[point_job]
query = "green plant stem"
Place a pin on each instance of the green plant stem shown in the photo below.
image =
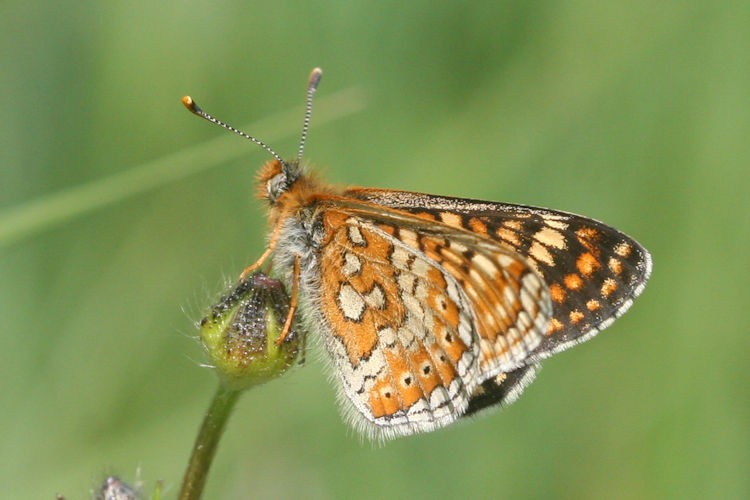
(205, 444)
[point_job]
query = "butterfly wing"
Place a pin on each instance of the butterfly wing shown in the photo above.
(417, 315)
(592, 270)
(501, 390)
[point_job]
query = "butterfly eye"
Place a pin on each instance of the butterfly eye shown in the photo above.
(276, 186)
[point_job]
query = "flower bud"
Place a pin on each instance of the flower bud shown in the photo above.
(241, 331)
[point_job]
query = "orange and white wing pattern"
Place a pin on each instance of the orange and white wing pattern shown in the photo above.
(417, 315)
(593, 271)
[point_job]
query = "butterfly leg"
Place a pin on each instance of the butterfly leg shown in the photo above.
(264, 255)
(257, 264)
(293, 303)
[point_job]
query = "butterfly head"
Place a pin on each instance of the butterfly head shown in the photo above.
(276, 178)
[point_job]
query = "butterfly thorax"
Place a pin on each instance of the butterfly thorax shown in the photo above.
(297, 201)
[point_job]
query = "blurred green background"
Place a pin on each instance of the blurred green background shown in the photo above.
(635, 113)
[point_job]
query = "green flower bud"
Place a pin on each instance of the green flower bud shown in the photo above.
(240, 333)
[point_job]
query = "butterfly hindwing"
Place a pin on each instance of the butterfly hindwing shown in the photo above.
(502, 389)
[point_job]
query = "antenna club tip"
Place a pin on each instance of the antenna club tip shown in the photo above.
(189, 103)
(315, 75)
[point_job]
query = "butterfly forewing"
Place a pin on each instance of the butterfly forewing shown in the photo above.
(593, 271)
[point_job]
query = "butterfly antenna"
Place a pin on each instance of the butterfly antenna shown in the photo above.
(312, 86)
(192, 106)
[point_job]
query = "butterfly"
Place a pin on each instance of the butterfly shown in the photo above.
(433, 308)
